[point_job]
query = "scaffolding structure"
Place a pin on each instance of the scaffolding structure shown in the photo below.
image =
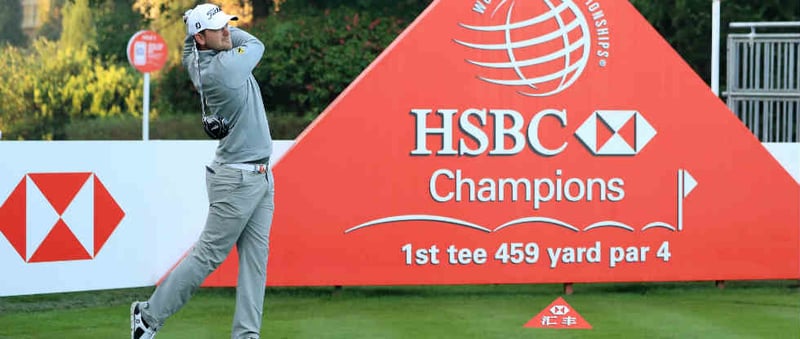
(763, 79)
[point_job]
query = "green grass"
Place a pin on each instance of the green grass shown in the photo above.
(769, 309)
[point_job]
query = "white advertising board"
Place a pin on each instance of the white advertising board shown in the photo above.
(62, 232)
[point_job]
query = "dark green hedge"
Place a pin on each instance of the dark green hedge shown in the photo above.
(310, 59)
(181, 127)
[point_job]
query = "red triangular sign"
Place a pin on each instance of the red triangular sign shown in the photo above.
(560, 315)
(468, 152)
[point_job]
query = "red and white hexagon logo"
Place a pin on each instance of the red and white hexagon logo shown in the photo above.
(59, 217)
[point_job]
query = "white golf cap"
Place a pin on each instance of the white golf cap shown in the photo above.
(206, 16)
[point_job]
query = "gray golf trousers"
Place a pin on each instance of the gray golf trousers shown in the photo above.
(241, 205)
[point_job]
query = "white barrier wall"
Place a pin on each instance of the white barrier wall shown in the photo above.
(160, 187)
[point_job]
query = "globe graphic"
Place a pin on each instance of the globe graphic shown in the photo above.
(539, 47)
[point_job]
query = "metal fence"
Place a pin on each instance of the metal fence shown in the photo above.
(763, 81)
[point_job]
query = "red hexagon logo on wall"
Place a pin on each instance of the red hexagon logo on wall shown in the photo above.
(59, 217)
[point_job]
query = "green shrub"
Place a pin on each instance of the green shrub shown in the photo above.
(171, 127)
(111, 128)
(173, 91)
(178, 127)
(310, 59)
(182, 126)
(49, 86)
(288, 126)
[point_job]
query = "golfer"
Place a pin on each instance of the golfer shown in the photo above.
(220, 60)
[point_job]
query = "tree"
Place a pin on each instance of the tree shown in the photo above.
(11, 23)
(260, 9)
(166, 18)
(54, 86)
(78, 29)
(116, 22)
(686, 24)
(51, 15)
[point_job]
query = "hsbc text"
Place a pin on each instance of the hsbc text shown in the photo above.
(476, 141)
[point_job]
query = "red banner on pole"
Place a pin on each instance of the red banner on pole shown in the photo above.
(559, 315)
(147, 51)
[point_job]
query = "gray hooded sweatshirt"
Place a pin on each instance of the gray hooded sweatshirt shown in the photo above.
(231, 91)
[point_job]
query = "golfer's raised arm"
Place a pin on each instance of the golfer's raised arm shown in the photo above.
(245, 54)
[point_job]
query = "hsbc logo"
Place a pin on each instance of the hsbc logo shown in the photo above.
(641, 132)
(559, 310)
(504, 132)
(59, 217)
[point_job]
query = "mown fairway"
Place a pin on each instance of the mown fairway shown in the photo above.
(648, 310)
